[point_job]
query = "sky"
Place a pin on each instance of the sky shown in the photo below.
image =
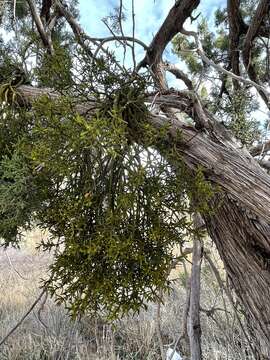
(149, 15)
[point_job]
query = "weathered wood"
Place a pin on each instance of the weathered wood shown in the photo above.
(243, 244)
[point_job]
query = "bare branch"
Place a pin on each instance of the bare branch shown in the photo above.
(23, 318)
(229, 296)
(178, 73)
(133, 34)
(195, 286)
(257, 150)
(118, 38)
(12, 266)
(261, 89)
(43, 35)
(76, 28)
(171, 26)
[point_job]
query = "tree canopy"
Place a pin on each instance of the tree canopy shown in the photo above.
(113, 162)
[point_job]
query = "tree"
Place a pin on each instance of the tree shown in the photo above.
(62, 135)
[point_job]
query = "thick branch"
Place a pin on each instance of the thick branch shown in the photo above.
(235, 30)
(44, 37)
(256, 22)
(170, 27)
(234, 170)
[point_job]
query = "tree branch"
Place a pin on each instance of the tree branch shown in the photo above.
(256, 150)
(170, 27)
(256, 22)
(235, 30)
(23, 318)
(224, 164)
(261, 89)
(43, 35)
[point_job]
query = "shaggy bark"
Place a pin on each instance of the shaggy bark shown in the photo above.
(243, 244)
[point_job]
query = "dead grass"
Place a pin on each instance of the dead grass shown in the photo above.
(54, 336)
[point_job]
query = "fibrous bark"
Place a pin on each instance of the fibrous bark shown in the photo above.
(243, 243)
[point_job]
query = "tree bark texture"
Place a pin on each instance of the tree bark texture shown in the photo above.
(243, 244)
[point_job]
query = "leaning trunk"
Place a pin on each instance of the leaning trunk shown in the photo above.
(242, 240)
(239, 224)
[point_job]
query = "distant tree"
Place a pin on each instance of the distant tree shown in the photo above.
(112, 161)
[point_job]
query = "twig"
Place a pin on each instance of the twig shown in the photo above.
(219, 68)
(133, 35)
(41, 308)
(12, 266)
(221, 285)
(23, 318)
(121, 28)
(161, 345)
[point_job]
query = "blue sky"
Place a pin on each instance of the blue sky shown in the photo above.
(149, 15)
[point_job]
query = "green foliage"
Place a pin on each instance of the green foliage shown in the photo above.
(236, 113)
(114, 207)
(55, 70)
(183, 48)
(17, 198)
(234, 106)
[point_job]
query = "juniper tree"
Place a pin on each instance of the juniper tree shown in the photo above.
(113, 162)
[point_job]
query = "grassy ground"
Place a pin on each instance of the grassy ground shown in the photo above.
(48, 332)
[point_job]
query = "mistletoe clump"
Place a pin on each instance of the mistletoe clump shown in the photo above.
(115, 207)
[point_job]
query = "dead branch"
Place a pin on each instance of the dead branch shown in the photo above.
(23, 318)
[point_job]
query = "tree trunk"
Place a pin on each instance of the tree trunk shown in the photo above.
(243, 244)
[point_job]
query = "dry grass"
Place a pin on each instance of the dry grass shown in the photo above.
(55, 336)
